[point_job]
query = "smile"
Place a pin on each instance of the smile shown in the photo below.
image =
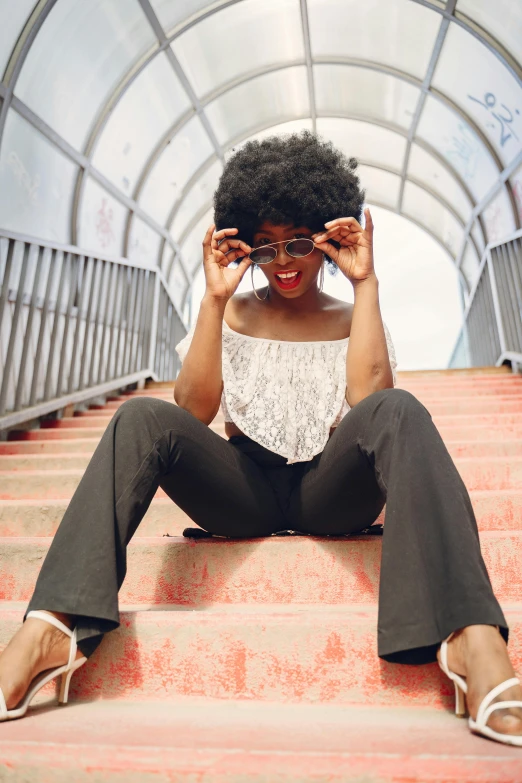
(289, 279)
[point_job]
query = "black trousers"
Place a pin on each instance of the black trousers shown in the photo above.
(385, 450)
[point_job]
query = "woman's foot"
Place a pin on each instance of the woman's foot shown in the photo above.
(35, 647)
(479, 653)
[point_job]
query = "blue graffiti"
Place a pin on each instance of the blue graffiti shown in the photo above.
(489, 103)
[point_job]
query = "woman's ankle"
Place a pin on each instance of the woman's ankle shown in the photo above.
(67, 619)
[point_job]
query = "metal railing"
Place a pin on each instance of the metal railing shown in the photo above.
(491, 332)
(74, 326)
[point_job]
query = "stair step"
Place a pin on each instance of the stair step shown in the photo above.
(269, 653)
(254, 742)
(451, 426)
(436, 405)
(476, 472)
(80, 459)
(494, 510)
(297, 569)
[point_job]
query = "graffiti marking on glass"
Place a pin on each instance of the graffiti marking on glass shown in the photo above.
(104, 217)
(489, 103)
(463, 150)
(29, 186)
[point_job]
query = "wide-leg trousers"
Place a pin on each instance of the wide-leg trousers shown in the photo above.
(386, 450)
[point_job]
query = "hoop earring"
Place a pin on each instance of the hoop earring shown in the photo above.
(261, 298)
(321, 278)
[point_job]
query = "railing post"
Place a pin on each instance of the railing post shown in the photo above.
(496, 303)
(154, 322)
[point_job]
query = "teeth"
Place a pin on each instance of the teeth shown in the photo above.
(287, 275)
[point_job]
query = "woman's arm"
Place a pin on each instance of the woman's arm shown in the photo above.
(368, 366)
(199, 384)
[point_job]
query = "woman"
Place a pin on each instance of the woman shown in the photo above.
(318, 441)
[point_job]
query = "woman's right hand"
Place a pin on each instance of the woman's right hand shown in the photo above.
(219, 250)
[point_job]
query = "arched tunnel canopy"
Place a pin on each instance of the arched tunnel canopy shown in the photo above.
(116, 117)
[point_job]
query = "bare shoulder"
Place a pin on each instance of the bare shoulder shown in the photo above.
(239, 311)
(338, 312)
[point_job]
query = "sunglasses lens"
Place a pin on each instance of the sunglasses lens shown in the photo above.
(300, 247)
(263, 255)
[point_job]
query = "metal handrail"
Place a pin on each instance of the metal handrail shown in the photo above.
(76, 325)
(491, 331)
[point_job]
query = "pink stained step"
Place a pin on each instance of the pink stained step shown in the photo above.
(437, 407)
(476, 472)
(452, 424)
(248, 742)
(310, 654)
(494, 510)
(267, 570)
(80, 459)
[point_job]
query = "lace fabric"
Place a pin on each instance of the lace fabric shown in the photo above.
(284, 395)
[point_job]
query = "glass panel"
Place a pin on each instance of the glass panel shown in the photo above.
(447, 133)
(177, 163)
(498, 217)
(199, 196)
(177, 284)
(516, 184)
(272, 98)
(484, 89)
(77, 59)
(470, 264)
(36, 183)
(430, 213)
(102, 221)
(151, 105)
(502, 19)
(172, 12)
(377, 96)
(294, 126)
(381, 187)
(396, 33)
(258, 34)
(369, 143)
(429, 171)
(191, 247)
(14, 15)
(144, 243)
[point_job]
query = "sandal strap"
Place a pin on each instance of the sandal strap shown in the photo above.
(49, 618)
(486, 708)
(3, 705)
(443, 663)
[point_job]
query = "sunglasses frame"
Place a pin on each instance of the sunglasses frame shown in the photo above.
(287, 242)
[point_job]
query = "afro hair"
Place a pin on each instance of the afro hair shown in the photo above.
(295, 178)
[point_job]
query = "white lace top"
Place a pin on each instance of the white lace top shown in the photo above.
(284, 395)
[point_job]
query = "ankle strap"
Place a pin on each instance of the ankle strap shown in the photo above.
(49, 618)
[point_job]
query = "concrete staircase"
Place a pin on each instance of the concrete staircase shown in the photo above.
(256, 660)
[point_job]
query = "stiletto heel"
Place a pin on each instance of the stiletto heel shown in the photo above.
(66, 672)
(479, 725)
(460, 702)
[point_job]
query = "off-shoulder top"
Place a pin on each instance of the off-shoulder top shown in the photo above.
(285, 395)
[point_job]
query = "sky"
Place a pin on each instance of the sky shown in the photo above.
(418, 291)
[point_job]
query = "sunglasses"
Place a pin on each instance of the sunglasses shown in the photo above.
(298, 248)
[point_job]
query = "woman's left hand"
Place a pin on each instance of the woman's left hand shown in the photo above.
(355, 256)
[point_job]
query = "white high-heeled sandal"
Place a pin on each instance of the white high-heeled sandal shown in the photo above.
(478, 726)
(66, 672)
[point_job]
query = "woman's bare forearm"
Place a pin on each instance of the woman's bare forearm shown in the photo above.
(200, 382)
(367, 361)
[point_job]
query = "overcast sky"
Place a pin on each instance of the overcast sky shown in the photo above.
(418, 291)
